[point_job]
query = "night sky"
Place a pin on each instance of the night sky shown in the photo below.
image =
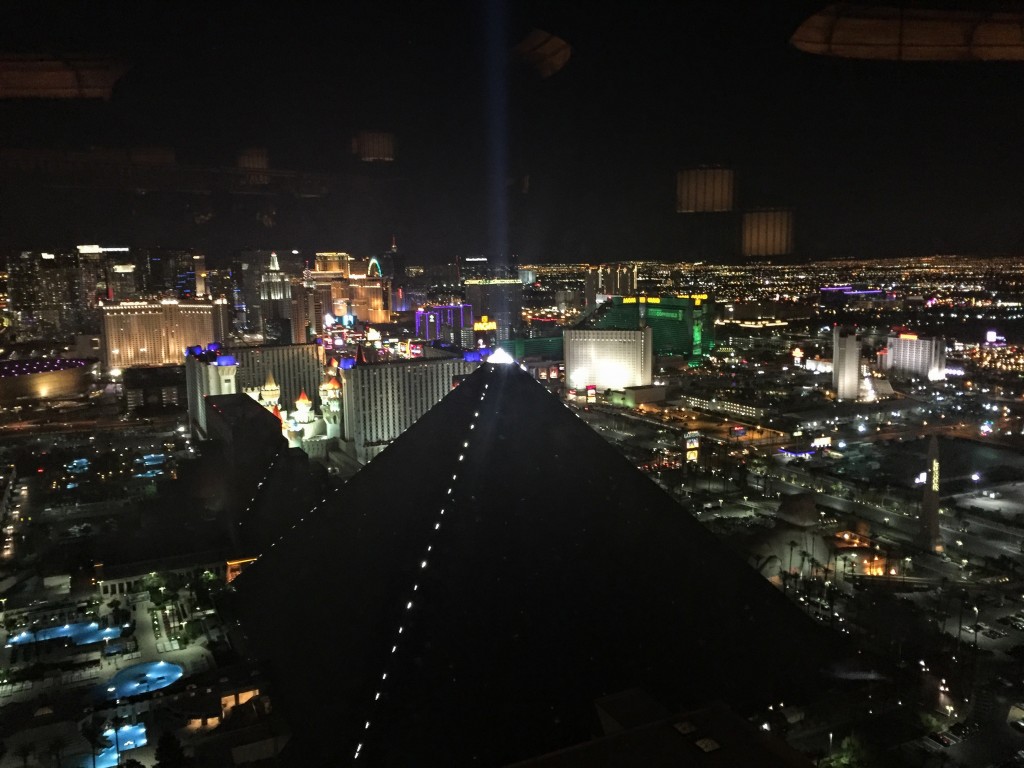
(876, 158)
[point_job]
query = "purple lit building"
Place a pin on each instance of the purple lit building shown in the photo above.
(452, 323)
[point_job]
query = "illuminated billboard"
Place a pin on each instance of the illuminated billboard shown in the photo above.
(692, 445)
(485, 324)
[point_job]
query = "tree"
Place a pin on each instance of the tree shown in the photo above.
(804, 557)
(92, 732)
(792, 545)
(131, 762)
(117, 721)
(169, 753)
(850, 754)
(25, 751)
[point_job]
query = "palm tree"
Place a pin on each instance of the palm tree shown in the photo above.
(92, 731)
(804, 557)
(117, 721)
(24, 751)
(792, 545)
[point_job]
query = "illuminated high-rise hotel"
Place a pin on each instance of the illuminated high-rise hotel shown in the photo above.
(500, 300)
(158, 332)
(908, 354)
(382, 400)
(451, 323)
(846, 363)
(608, 359)
(207, 372)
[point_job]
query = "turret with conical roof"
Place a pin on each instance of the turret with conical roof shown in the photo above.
(304, 409)
(270, 391)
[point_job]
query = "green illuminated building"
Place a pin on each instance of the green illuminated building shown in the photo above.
(683, 324)
(540, 348)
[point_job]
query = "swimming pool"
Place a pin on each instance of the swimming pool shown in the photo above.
(128, 737)
(142, 678)
(80, 633)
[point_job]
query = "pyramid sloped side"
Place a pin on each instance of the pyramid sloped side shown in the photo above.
(559, 574)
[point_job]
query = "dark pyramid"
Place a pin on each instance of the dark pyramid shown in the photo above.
(559, 574)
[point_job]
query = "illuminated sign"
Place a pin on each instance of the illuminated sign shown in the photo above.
(591, 393)
(908, 336)
(629, 300)
(935, 475)
(485, 324)
(697, 297)
(821, 442)
(798, 353)
(691, 455)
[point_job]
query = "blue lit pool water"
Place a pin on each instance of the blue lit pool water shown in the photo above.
(141, 678)
(80, 633)
(129, 737)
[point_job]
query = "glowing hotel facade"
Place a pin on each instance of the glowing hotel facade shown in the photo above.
(608, 359)
(158, 332)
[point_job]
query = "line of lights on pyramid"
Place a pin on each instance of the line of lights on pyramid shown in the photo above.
(500, 357)
(259, 485)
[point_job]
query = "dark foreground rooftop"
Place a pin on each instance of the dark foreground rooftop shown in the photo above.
(712, 737)
(470, 593)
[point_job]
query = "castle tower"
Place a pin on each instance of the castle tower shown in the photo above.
(929, 535)
(304, 409)
(330, 406)
(270, 391)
